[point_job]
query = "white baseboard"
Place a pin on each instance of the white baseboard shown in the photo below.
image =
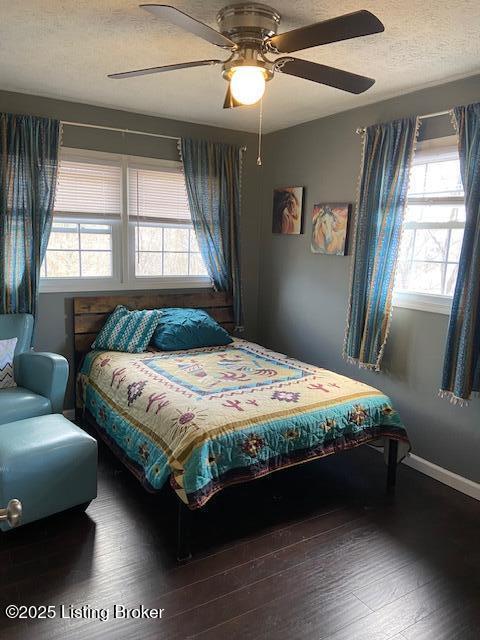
(464, 485)
(69, 414)
(453, 480)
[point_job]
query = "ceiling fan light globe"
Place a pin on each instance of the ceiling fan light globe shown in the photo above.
(247, 84)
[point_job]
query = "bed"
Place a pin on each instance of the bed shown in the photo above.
(204, 419)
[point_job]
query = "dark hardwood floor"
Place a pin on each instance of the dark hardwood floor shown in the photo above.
(315, 552)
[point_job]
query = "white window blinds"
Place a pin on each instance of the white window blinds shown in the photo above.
(90, 188)
(158, 195)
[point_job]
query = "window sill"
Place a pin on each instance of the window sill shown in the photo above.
(139, 284)
(423, 302)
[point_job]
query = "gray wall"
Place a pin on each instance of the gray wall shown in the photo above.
(303, 297)
(55, 319)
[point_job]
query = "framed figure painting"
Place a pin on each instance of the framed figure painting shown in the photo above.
(288, 210)
(330, 224)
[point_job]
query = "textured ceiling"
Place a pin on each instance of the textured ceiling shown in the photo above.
(64, 49)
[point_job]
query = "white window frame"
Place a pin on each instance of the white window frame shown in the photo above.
(123, 238)
(431, 302)
(156, 282)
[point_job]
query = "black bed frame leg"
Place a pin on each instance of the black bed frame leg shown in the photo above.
(183, 532)
(392, 466)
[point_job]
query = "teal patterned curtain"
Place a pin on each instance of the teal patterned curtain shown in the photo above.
(28, 173)
(387, 155)
(461, 369)
(213, 178)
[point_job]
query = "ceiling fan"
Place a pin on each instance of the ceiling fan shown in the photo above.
(249, 32)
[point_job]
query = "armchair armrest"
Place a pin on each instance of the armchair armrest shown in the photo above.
(45, 374)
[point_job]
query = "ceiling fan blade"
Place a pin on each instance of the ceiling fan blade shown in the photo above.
(183, 20)
(350, 25)
(230, 101)
(322, 74)
(168, 67)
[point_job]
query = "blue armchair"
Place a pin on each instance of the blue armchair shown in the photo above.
(41, 377)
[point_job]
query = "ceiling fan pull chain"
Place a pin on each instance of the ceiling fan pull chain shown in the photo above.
(260, 118)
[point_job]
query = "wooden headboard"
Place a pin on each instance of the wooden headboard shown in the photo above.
(89, 314)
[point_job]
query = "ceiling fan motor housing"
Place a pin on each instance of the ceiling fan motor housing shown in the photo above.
(248, 23)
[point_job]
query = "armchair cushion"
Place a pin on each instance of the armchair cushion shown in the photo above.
(18, 403)
(45, 374)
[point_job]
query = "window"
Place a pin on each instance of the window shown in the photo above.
(433, 228)
(86, 220)
(165, 243)
(78, 250)
(119, 221)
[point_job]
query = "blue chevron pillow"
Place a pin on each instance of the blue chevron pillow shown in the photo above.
(7, 351)
(128, 331)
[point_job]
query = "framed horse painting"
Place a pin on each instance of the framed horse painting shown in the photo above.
(330, 223)
(288, 210)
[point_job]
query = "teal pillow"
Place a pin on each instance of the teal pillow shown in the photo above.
(129, 331)
(188, 329)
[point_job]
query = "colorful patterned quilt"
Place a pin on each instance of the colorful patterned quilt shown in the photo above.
(208, 418)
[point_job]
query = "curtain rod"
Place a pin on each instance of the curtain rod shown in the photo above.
(134, 131)
(424, 117)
